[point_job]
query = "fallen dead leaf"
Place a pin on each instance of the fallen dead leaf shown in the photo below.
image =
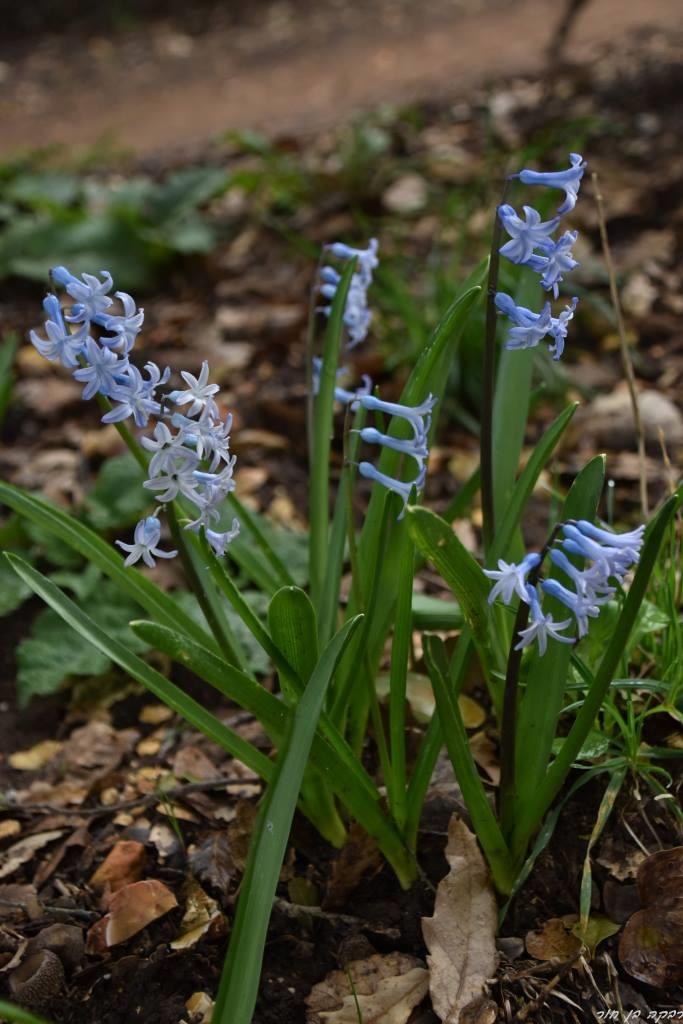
(19, 901)
(124, 864)
(650, 946)
(192, 764)
(357, 858)
(554, 940)
(155, 714)
(200, 1006)
(98, 745)
(201, 914)
(485, 753)
(212, 862)
(131, 909)
(35, 757)
(9, 827)
(20, 853)
(384, 989)
(461, 935)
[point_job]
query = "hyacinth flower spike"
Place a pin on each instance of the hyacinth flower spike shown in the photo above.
(418, 416)
(525, 235)
(559, 327)
(341, 394)
(512, 579)
(556, 260)
(581, 606)
(126, 327)
(146, 539)
(569, 180)
(416, 447)
(542, 626)
(615, 559)
(60, 344)
(357, 316)
(590, 583)
(400, 487)
(530, 328)
(633, 540)
(91, 294)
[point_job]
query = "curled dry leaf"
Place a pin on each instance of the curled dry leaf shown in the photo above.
(650, 946)
(124, 864)
(201, 914)
(555, 939)
(131, 909)
(384, 989)
(461, 936)
(23, 851)
(359, 856)
(212, 862)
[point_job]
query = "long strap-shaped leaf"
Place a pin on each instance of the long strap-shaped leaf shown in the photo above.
(436, 541)
(238, 990)
(18, 1015)
(474, 794)
(509, 520)
(97, 551)
(330, 753)
(532, 813)
(162, 688)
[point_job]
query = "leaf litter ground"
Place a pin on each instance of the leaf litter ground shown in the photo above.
(125, 785)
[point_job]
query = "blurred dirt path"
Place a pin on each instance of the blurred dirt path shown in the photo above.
(160, 90)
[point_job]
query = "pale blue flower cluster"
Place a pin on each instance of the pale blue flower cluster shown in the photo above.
(419, 418)
(609, 557)
(190, 442)
(357, 316)
(531, 245)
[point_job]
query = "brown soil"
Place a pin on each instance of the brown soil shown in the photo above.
(286, 68)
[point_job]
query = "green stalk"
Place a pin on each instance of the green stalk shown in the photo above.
(212, 612)
(323, 425)
(483, 819)
(400, 651)
(432, 742)
(489, 382)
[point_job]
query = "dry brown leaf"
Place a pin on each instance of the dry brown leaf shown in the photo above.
(200, 1007)
(485, 753)
(35, 757)
(9, 827)
(19, 901)
(650, 946)
(555, 940)
(98, 745)
(387, 989)
(201, 913)
(124, 864)
(212, 862)
(358, 857)
(131, 909)
(155, 714)
(461, 936)
(20, 853)
(192, 764)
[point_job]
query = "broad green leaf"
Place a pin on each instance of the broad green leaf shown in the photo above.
(85, 542)
(433, 613)
(120, 654)
(53, 652)
(117, 499)
(457, 567)
(293, 627)
(13, 591)
(238, 990)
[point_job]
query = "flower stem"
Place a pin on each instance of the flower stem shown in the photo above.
(489, 382)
